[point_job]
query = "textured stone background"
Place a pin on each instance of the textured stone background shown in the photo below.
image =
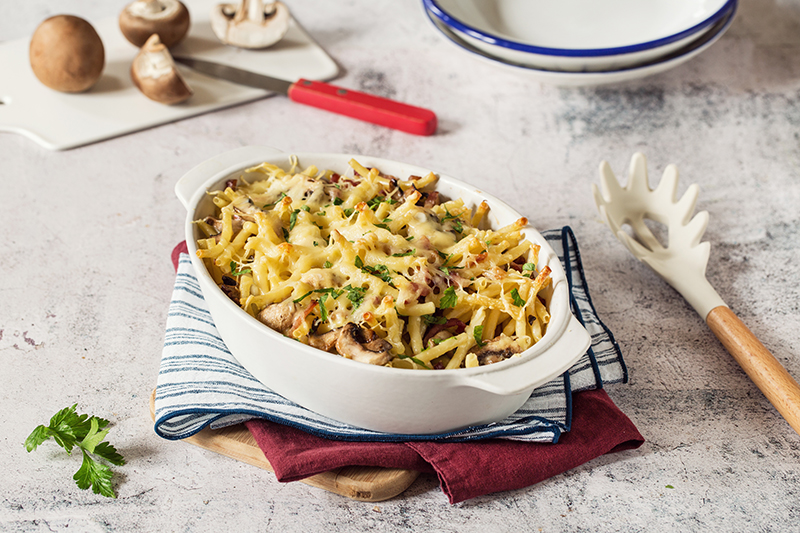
(86, 279)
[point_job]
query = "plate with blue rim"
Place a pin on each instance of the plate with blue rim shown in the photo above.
(580, 35)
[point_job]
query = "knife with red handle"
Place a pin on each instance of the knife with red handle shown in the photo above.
(354, 104)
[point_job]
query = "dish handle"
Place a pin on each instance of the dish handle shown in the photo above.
(187, 185)
(572, 344)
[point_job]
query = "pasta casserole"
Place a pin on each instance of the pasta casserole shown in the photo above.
(375, 268)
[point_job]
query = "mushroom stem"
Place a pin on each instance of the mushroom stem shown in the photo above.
(250, 23)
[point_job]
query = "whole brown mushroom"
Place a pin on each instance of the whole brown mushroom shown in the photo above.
(142, 18)
(67, 54)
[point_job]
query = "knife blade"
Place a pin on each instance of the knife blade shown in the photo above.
(354, 104)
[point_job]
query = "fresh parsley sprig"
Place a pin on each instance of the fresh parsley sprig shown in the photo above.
(70, 430)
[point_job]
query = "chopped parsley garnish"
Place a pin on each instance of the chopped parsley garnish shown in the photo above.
(334, 293)
(516, 298)
(382, 226)
(446, 269)
(477, 333)
(293, 219)
(456, 220)
(306, 208)
(348, 212)
(337, 201)
(405, 254)
(323, 311)
(379, 271)
(235, 272)
(355, 294)
(433, 319)
(327, 264)
(449, 298)
(303, 297)
(285, 234)
(418, 361)
(377, 200)
(281, 197)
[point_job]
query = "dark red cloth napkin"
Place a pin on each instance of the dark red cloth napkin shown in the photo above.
(465, 469)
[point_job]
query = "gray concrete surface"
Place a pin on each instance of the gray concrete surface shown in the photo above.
(86, 279)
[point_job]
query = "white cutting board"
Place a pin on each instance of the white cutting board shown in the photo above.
(114, 106)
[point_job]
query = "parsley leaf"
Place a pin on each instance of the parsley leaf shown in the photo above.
(477, 333)
(433, 319)
(377, 200)
(323, 311)
(418, 361)
(327, 264)
(293, 219)
(405, 254)
(235, 272)
(379, 271)
(516, 298)
(456, 220)
(449, 298)
(338, 201)
(355, 294)
(281, 197)
(303, 297)
(69, 430)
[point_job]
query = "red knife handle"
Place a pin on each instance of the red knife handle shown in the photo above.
(366, 107)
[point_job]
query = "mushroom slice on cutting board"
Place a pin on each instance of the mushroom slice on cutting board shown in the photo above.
(153, 71)
(142, 18)
(250, 23)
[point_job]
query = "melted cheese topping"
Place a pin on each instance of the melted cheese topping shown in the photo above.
(380, 252)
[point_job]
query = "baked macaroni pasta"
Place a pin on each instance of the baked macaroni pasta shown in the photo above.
(375, 268)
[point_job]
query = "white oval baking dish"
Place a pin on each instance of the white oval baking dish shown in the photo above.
(378, 398)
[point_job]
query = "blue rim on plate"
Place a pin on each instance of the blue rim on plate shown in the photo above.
(595, 77)
(433, 7)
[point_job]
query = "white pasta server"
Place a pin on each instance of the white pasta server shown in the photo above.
(682, 264)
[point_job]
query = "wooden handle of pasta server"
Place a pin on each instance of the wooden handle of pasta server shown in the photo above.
(759, 364)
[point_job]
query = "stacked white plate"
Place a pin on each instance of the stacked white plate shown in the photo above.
(583, 42)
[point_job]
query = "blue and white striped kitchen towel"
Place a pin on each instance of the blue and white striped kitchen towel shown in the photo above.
(201, 384)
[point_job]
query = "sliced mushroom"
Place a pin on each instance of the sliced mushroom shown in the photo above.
(325, 341)
(250, 23)
(280, 316)
(153, 72)
(498, 349)
(362, 345)
(142, 18)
